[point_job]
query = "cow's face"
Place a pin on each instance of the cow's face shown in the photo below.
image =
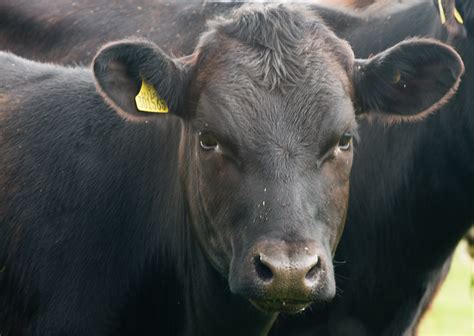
(268, 185)
(268, 172)
(268, 104)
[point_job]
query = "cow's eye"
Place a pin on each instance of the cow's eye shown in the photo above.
(345, 141)
(207, 141)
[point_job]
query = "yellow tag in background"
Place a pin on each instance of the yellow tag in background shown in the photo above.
(148, 100)
(442, 13)
(458, 16)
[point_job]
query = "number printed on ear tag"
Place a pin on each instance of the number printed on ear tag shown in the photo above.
(148, 100)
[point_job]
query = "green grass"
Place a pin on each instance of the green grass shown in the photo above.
(452, 313)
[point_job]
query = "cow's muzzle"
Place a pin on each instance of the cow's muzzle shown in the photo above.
(284, 276)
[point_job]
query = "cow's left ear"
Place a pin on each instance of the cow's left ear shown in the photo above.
(139, 80)
(407, 81)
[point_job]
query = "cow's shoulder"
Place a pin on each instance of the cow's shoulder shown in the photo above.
(36, 95)
(25, 84)
(17, 70)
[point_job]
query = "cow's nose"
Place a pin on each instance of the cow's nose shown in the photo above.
(278, 273)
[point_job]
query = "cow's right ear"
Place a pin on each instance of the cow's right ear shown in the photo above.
(407, 81)
(139, 80)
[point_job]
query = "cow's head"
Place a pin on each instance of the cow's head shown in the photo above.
(269, 103)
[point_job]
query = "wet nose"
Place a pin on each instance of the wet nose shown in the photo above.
(277, 275)
(282, 273)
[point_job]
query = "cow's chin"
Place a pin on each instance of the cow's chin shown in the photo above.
(279, 305)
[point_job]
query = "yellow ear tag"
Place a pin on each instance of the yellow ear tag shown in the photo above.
(148, 100)
(458, 16)
(442, 14)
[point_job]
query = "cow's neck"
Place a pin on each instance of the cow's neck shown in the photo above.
(452, 174)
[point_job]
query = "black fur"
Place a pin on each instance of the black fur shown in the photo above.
(396, 191)
(112, 227)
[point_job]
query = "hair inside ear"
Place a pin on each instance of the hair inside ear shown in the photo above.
(407, 81)
(118, 86)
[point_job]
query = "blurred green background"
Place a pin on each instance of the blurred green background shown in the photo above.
(452, 312)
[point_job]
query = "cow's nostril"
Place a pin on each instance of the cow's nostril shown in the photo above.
(263, 271)
(313, 271)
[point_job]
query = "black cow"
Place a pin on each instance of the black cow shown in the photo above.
(58, 32)
(209, 218)
(71, 33)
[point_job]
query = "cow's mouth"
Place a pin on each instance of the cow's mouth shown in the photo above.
(281, 305)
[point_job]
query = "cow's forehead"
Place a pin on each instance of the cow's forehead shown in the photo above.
(253, 116)
(273, 45)
(248, 84)
(273, 75)
(318, 54)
